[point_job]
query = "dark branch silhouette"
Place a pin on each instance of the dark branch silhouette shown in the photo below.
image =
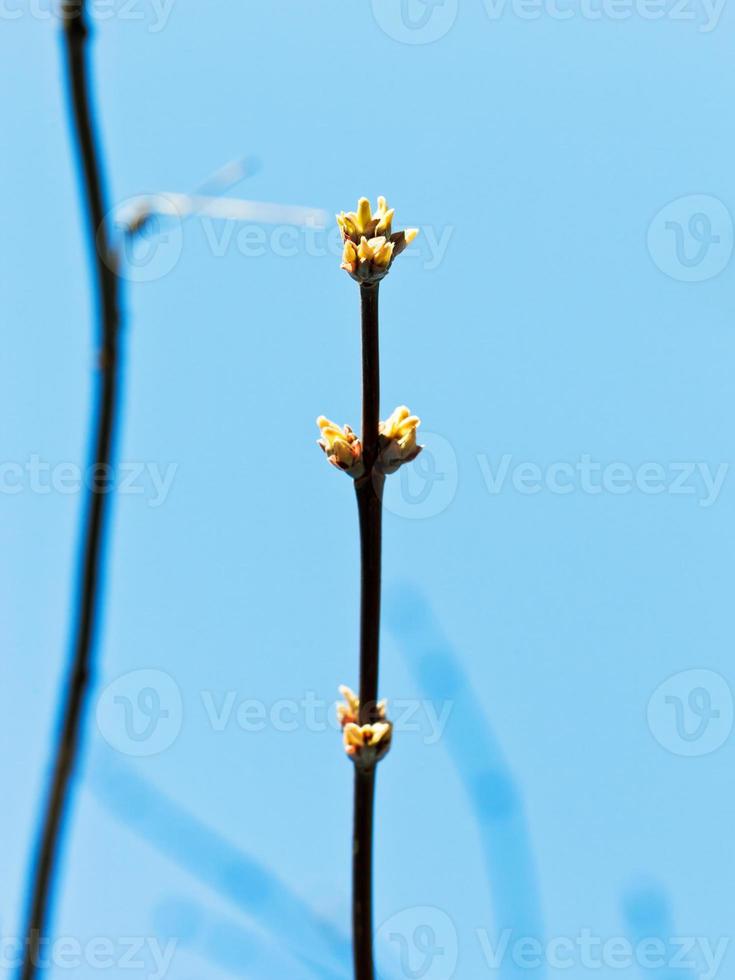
(370, 506)
(87, 597)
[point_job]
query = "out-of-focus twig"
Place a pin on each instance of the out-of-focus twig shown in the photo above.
(170, 204)
(208, 201)
(478, 758)
(107, 294)
(234, 874)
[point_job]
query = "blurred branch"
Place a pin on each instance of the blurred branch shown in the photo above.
(104, 260)
(228, 944)
(235, 875)
(477, 754)
(171, 204)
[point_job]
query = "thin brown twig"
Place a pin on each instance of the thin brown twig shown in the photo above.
(76, 33)
(369, 502)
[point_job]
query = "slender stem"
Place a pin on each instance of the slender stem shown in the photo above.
(362, 875)
(370, 508)
(104, 427)
(369, 504)
(370, 374)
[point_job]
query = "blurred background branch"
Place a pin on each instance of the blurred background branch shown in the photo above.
(103, 425)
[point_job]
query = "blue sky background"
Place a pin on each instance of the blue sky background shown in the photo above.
(565, 792)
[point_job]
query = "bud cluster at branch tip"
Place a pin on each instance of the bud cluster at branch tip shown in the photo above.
(366, 745)
(370, 245)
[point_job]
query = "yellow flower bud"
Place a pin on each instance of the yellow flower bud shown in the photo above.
(353, 738)
(349, 257)
(341, 446)
(364, 250)
(367, 744)
(398, 440)
(384, 254)
(348, 712)
(376, 244)
(364, 215)
(383, 226)
(378, 732)
(364, 744)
